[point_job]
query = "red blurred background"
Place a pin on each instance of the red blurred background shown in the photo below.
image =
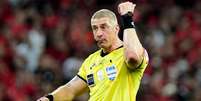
(43, 43)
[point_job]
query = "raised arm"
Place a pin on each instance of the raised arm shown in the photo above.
(68, 91)
(134, 50)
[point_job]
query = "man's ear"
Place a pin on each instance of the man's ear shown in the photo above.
(117, 28)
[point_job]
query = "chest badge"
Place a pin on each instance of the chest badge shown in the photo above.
(111, 72)
(100, 75)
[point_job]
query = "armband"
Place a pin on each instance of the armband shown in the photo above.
(127, 20)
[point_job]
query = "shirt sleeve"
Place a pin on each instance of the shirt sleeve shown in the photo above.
(145, 61)
(139, 71)
(82, 71)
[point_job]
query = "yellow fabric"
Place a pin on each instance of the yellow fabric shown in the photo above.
(113, 81)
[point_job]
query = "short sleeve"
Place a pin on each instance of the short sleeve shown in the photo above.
(138, 72)
(145, 61)
(82, 71)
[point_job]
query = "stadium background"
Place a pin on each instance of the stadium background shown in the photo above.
(43, 43)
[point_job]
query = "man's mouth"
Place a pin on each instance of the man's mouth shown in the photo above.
(101, 41)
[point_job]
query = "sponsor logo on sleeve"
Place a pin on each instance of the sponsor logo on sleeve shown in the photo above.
(90, 80)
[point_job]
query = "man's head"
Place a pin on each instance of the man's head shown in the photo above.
(105, 28)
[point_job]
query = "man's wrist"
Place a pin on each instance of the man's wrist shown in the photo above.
(127, 20)
(50, 97)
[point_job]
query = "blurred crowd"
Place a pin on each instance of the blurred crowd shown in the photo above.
(44, 42)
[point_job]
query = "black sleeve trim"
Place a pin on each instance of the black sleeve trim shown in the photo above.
(141, 63)
(81, 78)
(50, 97)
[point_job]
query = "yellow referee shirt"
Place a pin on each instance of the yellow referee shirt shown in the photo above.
(108, 77)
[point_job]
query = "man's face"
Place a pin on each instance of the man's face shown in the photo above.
(104, 32)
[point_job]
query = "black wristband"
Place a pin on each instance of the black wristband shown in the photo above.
(127, 20)
(50, 97)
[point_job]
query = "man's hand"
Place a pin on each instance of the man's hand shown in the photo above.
(68, 91)
(43, 99)
(126, 7)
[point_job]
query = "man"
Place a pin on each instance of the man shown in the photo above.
(112, 73)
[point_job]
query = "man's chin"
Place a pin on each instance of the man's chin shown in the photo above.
(101, 45)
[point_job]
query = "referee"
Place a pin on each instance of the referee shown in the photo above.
(114, 72)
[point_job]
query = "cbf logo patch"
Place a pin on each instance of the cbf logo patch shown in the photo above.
(100, 75)
(111, 72)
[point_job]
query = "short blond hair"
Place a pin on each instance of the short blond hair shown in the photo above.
(105, 13)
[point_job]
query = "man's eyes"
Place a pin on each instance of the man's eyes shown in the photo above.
(102, 27)
(94, 27)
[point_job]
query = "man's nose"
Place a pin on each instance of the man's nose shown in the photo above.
(99, 33)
